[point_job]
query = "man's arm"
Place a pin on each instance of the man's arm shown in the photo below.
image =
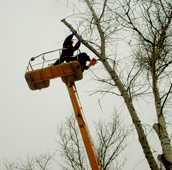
(77, 45)
(67, 40)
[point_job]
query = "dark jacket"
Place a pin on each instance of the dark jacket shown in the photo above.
(69, 47)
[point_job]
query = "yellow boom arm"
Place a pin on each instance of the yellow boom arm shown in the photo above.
(83, 129)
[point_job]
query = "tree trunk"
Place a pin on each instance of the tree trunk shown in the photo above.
(160, 127)
(142, 138)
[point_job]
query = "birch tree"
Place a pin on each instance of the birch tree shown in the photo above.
(146, 27)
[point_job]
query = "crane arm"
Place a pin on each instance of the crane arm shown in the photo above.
(83, 129)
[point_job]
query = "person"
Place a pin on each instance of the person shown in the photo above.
(68, 51)
(82, 58)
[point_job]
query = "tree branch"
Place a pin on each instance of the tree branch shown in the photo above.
(82, 40)
(104, 6)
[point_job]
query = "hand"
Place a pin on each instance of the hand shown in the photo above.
(74, 33)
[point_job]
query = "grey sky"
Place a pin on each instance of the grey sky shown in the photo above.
(28, 118)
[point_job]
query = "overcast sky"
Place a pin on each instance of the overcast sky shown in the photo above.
(28, 118)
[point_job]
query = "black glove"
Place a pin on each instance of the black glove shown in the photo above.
(74, 33)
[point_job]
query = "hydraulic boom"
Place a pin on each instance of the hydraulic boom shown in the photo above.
(83, 128)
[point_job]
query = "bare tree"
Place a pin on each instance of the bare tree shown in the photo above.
(146, 27)
(31, 162)
(153, 55)
(71, 149)
(109, 143)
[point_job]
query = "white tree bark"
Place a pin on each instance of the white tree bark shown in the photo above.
(142, 138)
(160, 128)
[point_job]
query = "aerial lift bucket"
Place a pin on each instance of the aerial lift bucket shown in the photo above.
(40, 78)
